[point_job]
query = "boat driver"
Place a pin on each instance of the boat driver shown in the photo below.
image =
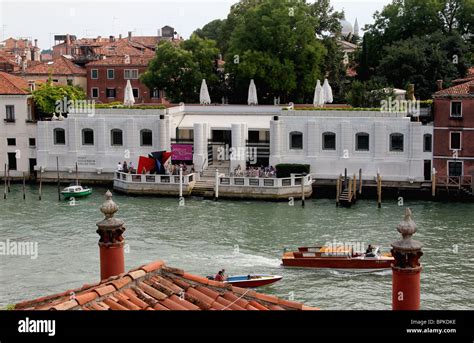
(370, 251)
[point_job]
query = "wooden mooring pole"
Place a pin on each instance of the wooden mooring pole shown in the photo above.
(360, 181)
(41, 183)
(338, 189)
(379, 190)
(433, 183)
(59, 182)
(24, 187)
(5, 180)
(8, 177)
(302, 190)
(354, 185)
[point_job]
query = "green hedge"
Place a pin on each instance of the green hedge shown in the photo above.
(285, 170)
(136, 107)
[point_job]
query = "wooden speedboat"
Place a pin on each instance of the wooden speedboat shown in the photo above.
(251, 280)
(76, 191)
(340, 257)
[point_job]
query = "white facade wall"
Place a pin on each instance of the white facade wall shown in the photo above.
(21, 130)
(328, 164)
(102, 157)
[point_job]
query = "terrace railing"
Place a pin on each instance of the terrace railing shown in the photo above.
(154, 178)
(265, 182)
(455, 181)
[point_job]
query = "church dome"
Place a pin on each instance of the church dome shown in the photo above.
(346, 27)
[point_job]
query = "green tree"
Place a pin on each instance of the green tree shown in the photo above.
(423, 60)
(47, 95)
(174, 70)
(274, 43)
(404, 20)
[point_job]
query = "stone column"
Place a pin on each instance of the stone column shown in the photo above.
(111, 242)
(406, 268)
(200, 146)
(238, 156)
(276, 140)
(164, 133)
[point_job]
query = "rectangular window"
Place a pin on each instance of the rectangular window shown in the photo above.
(146, 138)
(396, 142)
(110, 74)
(455, 168)
(427, 143)
(94, 74)
(362, 142)
(59, 136)
(10, 113)
(136, 92)
(32, 141)
(11, 141)
(329, 141)
(95, 92)
(12, 160)
(87, 137)
(296, 140)
(130, 74)
(455, 141)
(456, 109)
(110, 92)
(117, 137)
(155, 93)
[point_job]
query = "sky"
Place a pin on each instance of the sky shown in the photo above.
(85, 18)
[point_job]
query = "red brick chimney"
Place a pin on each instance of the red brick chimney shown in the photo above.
(439, 84)
(129, 35)
(111, 242)
(406, 268)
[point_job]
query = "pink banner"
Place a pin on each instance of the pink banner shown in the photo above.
(182, 152)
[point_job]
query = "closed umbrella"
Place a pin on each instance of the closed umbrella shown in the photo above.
(204, 97)
(128, 99)
(318, 95)
(327, 90)
(252, 98)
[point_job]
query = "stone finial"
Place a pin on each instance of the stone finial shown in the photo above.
(110, 229)
(407, 227)
(109, 207)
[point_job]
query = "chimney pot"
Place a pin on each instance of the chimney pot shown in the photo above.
(471, 88)
(439, 84)
(129, 35)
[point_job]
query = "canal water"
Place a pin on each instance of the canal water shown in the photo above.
(204, 236)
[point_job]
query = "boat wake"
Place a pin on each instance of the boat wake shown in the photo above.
(247, 260)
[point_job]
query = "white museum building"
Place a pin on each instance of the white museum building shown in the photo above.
(328, 140)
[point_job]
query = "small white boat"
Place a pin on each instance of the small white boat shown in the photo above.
(76, 191)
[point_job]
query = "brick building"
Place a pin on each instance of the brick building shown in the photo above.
(453, 153)
(107, 78)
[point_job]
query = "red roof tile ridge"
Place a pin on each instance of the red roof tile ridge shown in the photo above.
(13, 80)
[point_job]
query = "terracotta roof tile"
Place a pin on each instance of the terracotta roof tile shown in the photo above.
(114, 306)
(173, 305)
(460, 90)
(121, 282)
(136, 274)
(101, 291)
(157, 287)
(140, 61)
(13, 85)
(153, 266)
(153, 292)
(196, 278)
(58, 66)
(86, 297)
